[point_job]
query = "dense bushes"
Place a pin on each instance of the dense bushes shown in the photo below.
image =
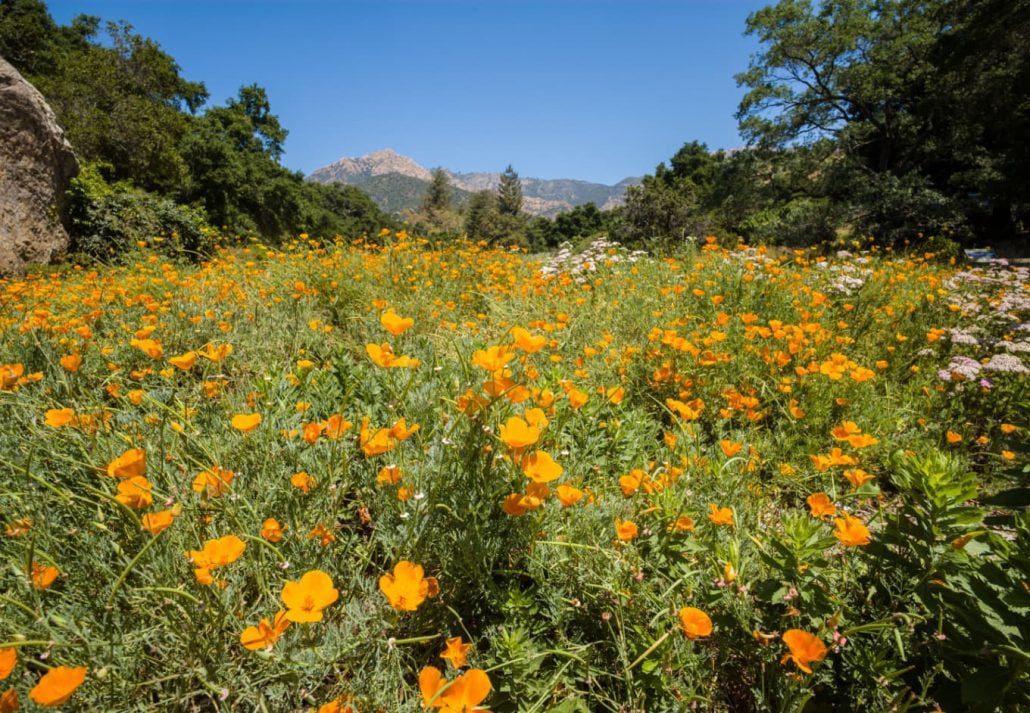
(110, 220)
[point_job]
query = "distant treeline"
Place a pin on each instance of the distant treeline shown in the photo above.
(891, 120)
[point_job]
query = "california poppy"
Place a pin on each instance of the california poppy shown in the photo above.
(407, 587)
(246, 422)
(57, 685)
(461, 695)
(540, 467)
(695, 623)
(851, 531)
(820, 505)
(306, 598)
(456, 651)
(805, 649)
(130, 464)
(265, 634)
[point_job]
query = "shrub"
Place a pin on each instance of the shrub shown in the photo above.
(109, 220)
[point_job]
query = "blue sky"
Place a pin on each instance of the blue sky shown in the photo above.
(592, 89)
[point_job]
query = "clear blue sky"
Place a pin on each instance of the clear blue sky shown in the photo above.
(592, 89)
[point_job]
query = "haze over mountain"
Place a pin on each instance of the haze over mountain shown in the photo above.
(397, 183)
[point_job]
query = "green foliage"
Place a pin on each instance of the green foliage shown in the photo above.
(109, 221)
(485, 221)
(901, 87)
(124, 104)
(509, 193)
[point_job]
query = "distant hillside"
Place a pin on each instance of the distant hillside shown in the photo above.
(397, 192)
(396, 183)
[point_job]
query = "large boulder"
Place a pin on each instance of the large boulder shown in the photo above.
(36, 164)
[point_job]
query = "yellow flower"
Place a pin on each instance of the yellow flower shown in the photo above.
(407, 587)
(306, 598)
(246, 422)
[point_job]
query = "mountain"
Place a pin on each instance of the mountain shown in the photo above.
(397, 183)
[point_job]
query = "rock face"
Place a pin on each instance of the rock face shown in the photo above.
(36, 163)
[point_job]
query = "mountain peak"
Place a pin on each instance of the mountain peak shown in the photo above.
(543, 197)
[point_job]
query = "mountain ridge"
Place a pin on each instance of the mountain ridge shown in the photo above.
(543, 196)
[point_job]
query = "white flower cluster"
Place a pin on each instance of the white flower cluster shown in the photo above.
(599, 252)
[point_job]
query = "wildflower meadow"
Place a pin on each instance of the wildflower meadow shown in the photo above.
(395, 475)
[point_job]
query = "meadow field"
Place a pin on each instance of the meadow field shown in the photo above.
(402, 476)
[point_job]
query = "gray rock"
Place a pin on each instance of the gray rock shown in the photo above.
(36, 164)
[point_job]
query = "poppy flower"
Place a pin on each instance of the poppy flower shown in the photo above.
(492, 359)
(805, 649)
(216, 352)
(302, 481)
(401, 431)
(394, 323)
(71, 362)
(218, 552)
(683, 523)
(135, 493)
(323, 534)
(265, 634)
(246, 422)
(540, 467)
(568, 495)
(215, 481)
(272, 531)
(857, 477)
(953, 437)
(820, 505)
(60, 417)
(312, 432)
(335, 426)
(151, 347)
(9, 657)
(626, 530)
(517, 434)
(130, 464)
(695, 623)
(184, 362)
(461, 695)
(630, 482)
(577, 398)
(9, 701)
(851, 531)
(42, 575)
(527, 341)
(730, 448)
(377, 442)
(306, 598)
(513, 505)
(407, 587)
(157, 522)
(57, 685)
(456, 651)
(719, 515)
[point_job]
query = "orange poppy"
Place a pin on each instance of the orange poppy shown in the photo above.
(719, 515)
(57, 685)
(265, 634)
(851, 531)
(246, 422)
(272, 531)
(456, 651)
(820, 505)
(407, 587)
(130, 464)
(461, 695)
(306, 598)
(695, 623)
(805, 649)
